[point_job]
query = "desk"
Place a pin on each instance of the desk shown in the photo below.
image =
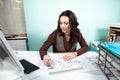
(91, 71)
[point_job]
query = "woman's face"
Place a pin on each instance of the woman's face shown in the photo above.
(64, 24)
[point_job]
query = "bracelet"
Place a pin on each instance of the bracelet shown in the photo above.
(75, 53)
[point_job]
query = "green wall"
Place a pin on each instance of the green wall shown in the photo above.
(93, 15)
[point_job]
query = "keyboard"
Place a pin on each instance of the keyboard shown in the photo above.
(28, 66)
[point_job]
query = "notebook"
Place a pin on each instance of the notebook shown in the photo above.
(28, 67)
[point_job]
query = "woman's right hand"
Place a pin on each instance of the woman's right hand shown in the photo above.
(47, 60)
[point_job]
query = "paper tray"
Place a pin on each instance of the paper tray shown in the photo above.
(112, 48)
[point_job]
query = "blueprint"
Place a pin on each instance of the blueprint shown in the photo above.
(59, 64)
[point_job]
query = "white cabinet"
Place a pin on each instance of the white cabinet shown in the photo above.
(19, 43)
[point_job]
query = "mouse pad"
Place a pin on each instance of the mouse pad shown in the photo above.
(28, 67)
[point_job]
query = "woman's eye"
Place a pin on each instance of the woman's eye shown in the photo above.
(66, 23)
(60, 23)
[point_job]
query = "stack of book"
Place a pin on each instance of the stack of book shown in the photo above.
(114, 34)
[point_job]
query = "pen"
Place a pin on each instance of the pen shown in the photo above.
(49, 58)
(49, 61)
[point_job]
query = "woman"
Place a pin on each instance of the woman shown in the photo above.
(64, 39)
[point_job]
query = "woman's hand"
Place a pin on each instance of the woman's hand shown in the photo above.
(69, 56)
(47, 60)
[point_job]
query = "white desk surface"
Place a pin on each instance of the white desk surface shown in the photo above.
(90, 69)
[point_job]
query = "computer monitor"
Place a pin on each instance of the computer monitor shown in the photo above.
(8, 60)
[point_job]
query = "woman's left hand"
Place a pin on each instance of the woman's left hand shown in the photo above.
(69, 56)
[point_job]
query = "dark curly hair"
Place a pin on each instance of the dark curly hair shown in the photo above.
(73, 25)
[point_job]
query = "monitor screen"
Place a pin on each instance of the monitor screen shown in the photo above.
(8, 60)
